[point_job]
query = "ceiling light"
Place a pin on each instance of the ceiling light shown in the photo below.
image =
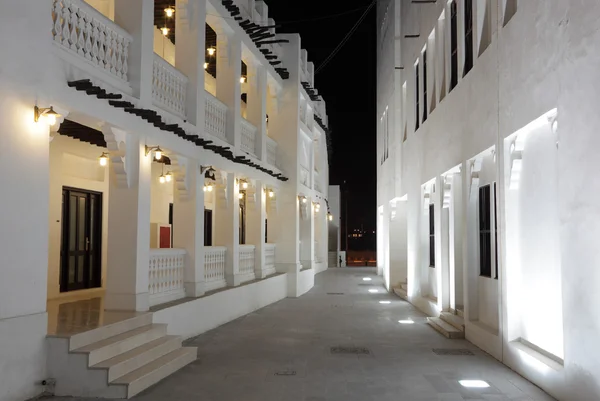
(474, 383)
(169, 11)
(48, 113)
(407, 321)
(103, 159)
(211, 51)
(373, 291)
(367, 279)
(162, 179)
(385, 302)
(165, 30)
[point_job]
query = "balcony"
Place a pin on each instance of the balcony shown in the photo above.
(169, 87)
(167, 267)
(272, 152)
(216, 117)
(248, 137)
(214, 267)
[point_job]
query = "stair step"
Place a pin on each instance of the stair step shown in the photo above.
(444, 328)
(110, 330)
(401, 293)
(129, 361)
(151, 373)
(460, 312)
(113, 346)
(456, 321)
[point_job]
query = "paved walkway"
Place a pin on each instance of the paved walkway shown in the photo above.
(283, 353)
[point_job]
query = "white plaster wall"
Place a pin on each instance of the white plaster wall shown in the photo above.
(161, 194)
(73, 164)
(398, 246)
(163, 46)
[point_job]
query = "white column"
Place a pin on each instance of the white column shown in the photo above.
(137, 18)
(256, 229)
(227, 228)
(190, 55)
(129, 232)
(442, 230)
(229, 71)
(257, 107)
(188, 228)
(307, 236)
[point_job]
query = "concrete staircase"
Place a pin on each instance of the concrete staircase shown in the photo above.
(450, 325)
(118, 360)
(402, 291)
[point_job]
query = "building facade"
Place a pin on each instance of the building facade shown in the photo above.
(164, 159)
(486, 202)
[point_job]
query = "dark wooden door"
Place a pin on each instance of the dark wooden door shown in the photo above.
(81, 243)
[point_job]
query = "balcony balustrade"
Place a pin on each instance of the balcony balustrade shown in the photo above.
(247, 261)
(214, 267)
(269, 268)
(272, 152)
(169, 87)
(167, 268)
(249, 137)
(216, 117)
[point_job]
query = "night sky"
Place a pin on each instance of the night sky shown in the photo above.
(348, 85)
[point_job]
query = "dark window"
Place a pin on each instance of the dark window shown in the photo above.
(211, 59)
(208, 227)
(468, 36)
(485, 232)
(431, 235)
(417, 97)
(242, 223)
(266, 231)
(171, 221)
(496, 230)
(453, 45)
(424, 85)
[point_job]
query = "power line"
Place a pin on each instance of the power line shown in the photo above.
(346, 38)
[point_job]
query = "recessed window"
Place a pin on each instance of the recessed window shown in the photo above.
(485, 232)
(425, 85)
(495, 232)
(417, 97)
(510, 9)
(453, 45)
(431, 235)
(468, 36)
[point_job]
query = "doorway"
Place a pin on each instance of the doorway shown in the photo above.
(81, 240)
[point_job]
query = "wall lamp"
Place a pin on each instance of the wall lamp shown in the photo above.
(208, 188)
(169, 11)
(211, 51)
(48, 113)
(242, 79)
(329, 217)
(157, 151)
(317, 206)
(103, 159)
(241, 195)
(303, 199)
(165, 30)
(271, 193)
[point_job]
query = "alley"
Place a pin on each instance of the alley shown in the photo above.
(284, 353)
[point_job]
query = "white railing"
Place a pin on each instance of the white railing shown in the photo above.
(169, 87)
(85, 32)
(216, 117)
(248, 137)
(246, 259)
(166, 275)
(270, 259)
(304, 176)
(272, 152)
(214, 267)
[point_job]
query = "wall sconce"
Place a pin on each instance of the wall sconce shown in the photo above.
(244, 185)
(242, 79)
(157, 151)
(169, 177)
(241, 195)
(48, 113)
(208, 188)
(103, 159)
(271, 193)
(317, 208)
(205, 66)
(211, 51)
(303, 199)
(329, 217)
(169, 11)
(165, 30)
(164, 177)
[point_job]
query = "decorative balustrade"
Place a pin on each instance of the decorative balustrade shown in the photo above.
(83, 31)
(304, 176)
(216, 117)
(270, 250)
(166, 275)
(214, 267)
(246, 259)
(169, 87)
(272, 152)
(248, 137)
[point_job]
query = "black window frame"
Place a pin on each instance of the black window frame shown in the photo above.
(496, 231)
(468, 37)
(417, 98)
(424, 54)
(485, 231)
(431, 235)
(453, 45)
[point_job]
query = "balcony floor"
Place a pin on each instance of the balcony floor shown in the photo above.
(282, 352)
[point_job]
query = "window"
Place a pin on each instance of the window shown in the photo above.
(385, 136)
(468, 36)
(242, 223)
(495, 232)
(453, 45)
(208, 227)
(417, 96)
(404, 124)
(485, 233)
(425, 85)
(431, 235)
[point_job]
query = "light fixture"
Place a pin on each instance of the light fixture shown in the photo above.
(162, 179)
(303, 199)
(169, 11)
(165, 30)
(373, 290)
(242, 79)
(210, 188)
(330, 216)
(103, 159)
(244, 185)
(474, 383)
(169, 176)
(241, 195)
(406, 321)
(271, 193)
(157, 151)
(205, 66)
(385, 302)
(367, 278)
(211, 51)
(48, 113)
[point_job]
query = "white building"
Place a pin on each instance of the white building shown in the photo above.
(486, 184)
(173, 175)
(335, 228)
